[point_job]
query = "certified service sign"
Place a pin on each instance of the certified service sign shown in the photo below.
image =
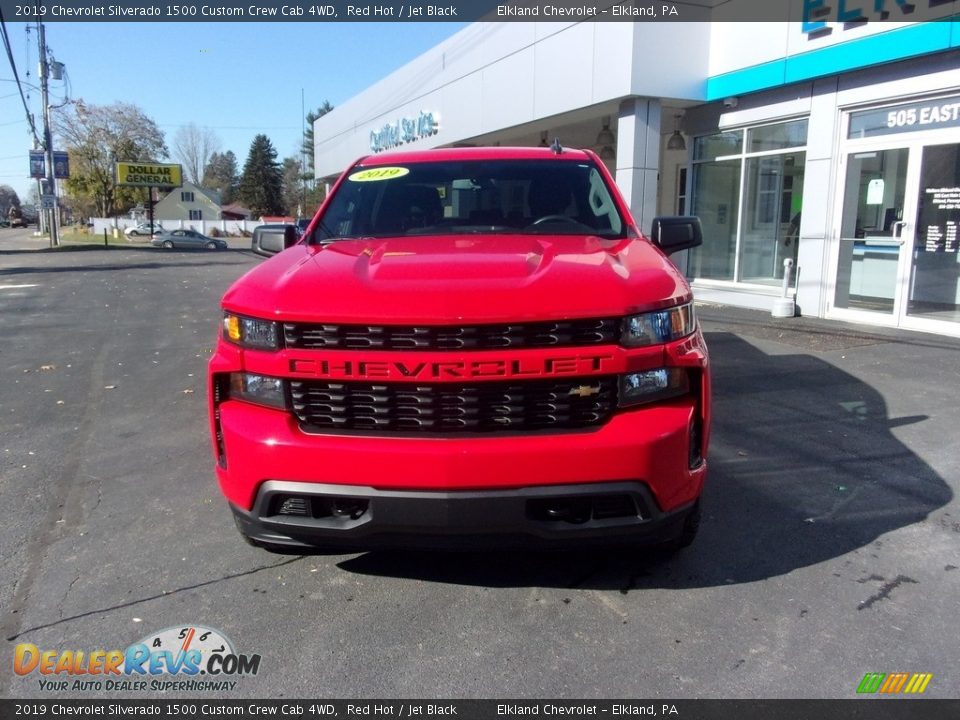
(148, 175)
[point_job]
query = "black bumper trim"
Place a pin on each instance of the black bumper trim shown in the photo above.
(433, 519)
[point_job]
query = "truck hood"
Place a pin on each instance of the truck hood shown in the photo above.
(480, 278)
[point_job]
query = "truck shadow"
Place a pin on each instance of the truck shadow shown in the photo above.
(804, 468)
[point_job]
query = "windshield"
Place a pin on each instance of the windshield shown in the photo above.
(469, 197)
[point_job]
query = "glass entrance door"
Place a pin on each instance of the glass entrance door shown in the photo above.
(933, 295)
(871, 237)
(898, 249)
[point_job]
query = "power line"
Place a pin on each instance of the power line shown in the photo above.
(16, 77)
(234, 127)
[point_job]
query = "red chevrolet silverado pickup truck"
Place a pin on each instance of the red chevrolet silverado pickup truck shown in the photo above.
(468, 345)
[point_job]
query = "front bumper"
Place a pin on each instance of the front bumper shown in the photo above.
(650, 444)
(458, 484)
(357, 517)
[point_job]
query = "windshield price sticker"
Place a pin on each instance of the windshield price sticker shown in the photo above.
(380, 173)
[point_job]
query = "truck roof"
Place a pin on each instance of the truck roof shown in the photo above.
(395, 157)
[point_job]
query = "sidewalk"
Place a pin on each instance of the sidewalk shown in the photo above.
(813, 333)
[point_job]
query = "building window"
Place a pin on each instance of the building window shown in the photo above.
(771, 219)
(681, 191)
(186, 196)
(196, 214)
(716, 190)
(747, 190)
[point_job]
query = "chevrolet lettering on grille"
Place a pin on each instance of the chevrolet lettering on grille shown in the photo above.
(451, 370)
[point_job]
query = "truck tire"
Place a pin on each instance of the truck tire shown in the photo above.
(691, 526)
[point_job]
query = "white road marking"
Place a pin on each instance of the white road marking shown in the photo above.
(16, 287)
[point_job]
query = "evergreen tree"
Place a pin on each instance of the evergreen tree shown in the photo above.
(307, 147)
(261, 185)
(221, 175)
(293, 195)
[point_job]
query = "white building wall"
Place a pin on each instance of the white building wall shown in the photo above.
(638, 157)
(494, 80)
(819, 186)
(735, 44)
(823, 101)
(493, 76)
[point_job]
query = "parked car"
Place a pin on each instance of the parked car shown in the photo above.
(143, 229)
(187, 239)
(18, 222)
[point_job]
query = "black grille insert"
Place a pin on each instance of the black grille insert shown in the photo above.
(443, 408)
(561, 333)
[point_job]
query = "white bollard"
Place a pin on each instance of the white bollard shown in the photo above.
(783, 306)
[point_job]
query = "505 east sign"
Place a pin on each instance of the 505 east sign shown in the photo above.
(926, 115)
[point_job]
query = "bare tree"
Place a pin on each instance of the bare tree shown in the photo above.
(8, 199)
(96, 136)
(192, 147)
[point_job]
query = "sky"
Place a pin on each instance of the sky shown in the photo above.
(239, 79)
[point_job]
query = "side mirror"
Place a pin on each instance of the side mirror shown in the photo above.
(673, 234)
(269, 240)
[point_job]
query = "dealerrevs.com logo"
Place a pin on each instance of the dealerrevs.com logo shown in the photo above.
(187, 658)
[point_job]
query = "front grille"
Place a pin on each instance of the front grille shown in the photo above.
(457, 337)
(442, 408)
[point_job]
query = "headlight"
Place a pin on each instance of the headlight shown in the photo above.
(658, 327)
(250, 332)
(259, 389)
(643, 387)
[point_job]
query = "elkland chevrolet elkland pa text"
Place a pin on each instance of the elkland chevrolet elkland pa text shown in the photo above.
(469, 345)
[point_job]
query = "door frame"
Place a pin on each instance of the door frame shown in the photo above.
(914, 142)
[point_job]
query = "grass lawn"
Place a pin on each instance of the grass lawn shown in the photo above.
(71, 236)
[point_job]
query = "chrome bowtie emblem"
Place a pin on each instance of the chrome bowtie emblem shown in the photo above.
(585, 390)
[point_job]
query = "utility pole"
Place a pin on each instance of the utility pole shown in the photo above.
(53, 222)
(303, 160)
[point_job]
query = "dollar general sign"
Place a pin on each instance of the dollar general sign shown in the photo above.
(145, 175)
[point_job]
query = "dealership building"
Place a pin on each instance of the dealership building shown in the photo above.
(833, 145)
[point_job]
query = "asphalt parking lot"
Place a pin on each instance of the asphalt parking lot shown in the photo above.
(830, 546)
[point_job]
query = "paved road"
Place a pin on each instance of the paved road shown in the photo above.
(831, 545)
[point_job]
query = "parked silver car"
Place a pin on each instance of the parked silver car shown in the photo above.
(143, 229)
(187, 239)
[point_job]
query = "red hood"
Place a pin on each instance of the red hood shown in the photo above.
(434, 280)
